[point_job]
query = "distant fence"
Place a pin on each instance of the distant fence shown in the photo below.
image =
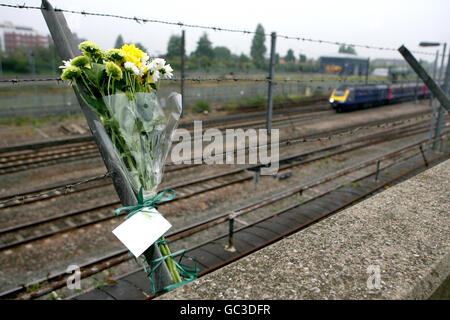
(66, 103)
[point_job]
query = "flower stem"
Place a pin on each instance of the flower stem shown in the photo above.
(170, 264)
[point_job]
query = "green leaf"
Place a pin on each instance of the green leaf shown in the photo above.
(96, 73)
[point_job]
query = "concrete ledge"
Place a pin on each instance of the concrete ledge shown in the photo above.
(403, 232)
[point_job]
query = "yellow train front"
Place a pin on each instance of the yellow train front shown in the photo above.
(339, 97)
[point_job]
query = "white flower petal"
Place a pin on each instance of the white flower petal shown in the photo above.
(155, 76)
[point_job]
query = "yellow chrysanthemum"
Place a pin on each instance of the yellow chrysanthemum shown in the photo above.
(133, 54)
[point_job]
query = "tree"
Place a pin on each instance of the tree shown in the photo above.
(243, 58)
(290, 56)
(204, 47)
(258, 49)
(347, 49)
(222, 53)
(174, 47)
(302, 58)
(119, 42)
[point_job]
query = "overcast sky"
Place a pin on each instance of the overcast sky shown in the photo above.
(387, 23)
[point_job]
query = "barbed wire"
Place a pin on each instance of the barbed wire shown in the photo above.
(18, 80)
(214, 28)
(199, 79)
(65, 189)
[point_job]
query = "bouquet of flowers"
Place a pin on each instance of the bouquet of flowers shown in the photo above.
(120, 86)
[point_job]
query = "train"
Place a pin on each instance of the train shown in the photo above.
(348, 97)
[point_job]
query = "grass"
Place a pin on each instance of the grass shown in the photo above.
(260, 102)
(38, 121)
(201, 106)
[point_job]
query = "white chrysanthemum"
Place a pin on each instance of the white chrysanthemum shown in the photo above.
(166, 72)
(66, 64)
(155, 76)
(131, 66)
(157, 64)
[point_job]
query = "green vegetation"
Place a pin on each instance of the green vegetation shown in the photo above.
(261, 102)
(347, 49)
(317, 92)
(206, 58)
(258, 48)
(201, 106)
(38, 121)
(38, 60)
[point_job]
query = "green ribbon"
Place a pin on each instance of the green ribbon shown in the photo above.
(187, 273)
(148, 203)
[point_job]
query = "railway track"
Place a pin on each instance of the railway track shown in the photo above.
(61, 189)
(28, 156)
(212, 254)
(20, 234)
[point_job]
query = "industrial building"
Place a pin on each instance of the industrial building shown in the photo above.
(12, 36)
(344, 64)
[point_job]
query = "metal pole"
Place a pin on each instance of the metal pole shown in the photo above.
(182, 71)
(367, 71)
(378, 170)
(415, 90)
(271, 77)
(67, 49)
(435, 66)
(441, 71)
(444, 87)
(423, 156)
(230, 234)
(438, 93)
(33, 72)
(433, 101)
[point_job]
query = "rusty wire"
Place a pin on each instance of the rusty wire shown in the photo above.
(214, 28)
(63, 189)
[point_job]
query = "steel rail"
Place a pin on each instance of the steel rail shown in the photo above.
(21, 199)
(108, 217)
(121, 256)
(93, 154)
(64, 189)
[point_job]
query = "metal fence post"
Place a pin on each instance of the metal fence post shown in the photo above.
(182, 71)
(67, 49)
(367, 70)
(441, 71)
(378, 170)
(416, 101)
(434, 88)
(273, 37)
(440, 118)
(435, 74)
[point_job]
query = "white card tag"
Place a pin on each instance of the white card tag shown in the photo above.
(141, 230)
